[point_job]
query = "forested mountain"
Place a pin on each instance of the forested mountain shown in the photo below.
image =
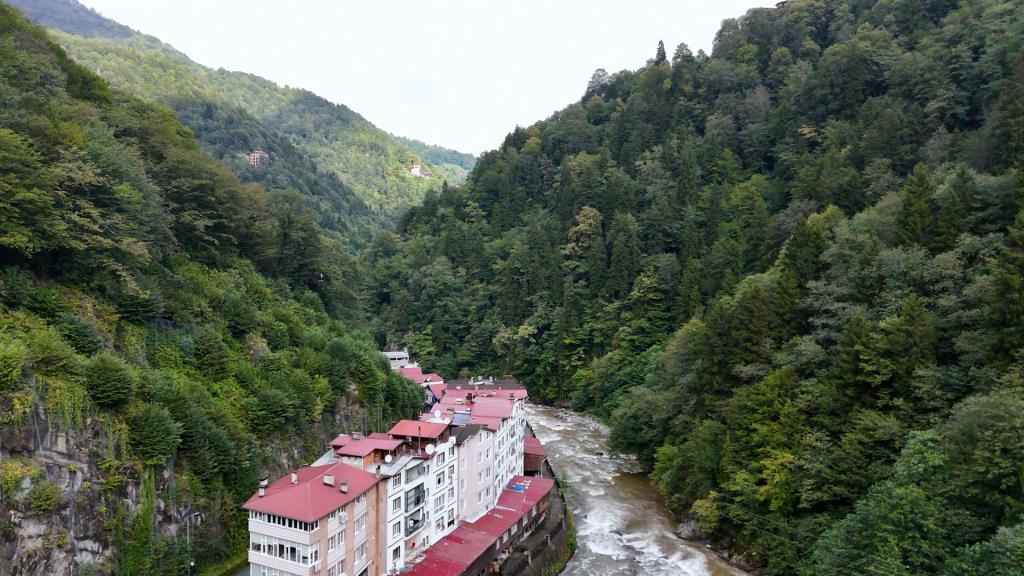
(788, 274)
(357, 174)
(438, 154)
(167, 333)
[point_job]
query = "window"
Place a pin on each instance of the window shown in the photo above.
(396, 554)
(396, 482)
(440, 479)
(332, 543)
(439, 502)
(439, 525)
(361, 524)
(451, 471)
(396, 529)
(441, 457)
(396, 504)
(451, 494)
(361, 554)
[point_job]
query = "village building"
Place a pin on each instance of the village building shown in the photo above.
(316, 520)
(257, 158)
(378, 504)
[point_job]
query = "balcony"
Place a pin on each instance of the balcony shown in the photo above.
(414, 474)
(413, 525)
(415, 498)
(283, 564)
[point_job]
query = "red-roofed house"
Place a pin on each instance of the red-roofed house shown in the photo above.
(533, 456)
(316, 520)
(417, 429)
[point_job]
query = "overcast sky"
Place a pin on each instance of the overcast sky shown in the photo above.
(459, 73)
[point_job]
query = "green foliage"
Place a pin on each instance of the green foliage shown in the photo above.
(109, 379)
(153, 433)
(43, 498)
(13, 355)
(772, 270)
(67, 403)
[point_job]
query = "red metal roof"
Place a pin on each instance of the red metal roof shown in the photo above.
(341, 440)
(417, 429)
(367, 445)
(489, 422)
(309, 499)
(437, 390)
(415, 373)
(452, 392)
(533, 447)
(451, 555)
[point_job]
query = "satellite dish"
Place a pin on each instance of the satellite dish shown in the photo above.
(437, 413)
(388, 458)
(430, 449)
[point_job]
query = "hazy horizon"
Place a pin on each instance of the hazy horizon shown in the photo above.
(460, 76)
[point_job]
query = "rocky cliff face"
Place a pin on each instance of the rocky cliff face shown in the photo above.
(66, 495)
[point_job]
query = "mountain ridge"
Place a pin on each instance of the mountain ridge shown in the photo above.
(369, 163)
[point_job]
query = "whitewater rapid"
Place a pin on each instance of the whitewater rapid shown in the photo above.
(622, 525)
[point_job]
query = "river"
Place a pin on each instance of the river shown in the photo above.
(622, 524)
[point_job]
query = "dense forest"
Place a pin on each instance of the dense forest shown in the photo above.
(788, 274)
(356, 174)
(167, 333)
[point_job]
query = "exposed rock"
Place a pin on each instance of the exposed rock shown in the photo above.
(690, 530)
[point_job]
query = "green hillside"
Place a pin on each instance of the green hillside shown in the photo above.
(454, 165)
(788, 274)
(167, 333)
(366, 160)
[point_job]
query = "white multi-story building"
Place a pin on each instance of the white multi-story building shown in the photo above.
(397, 358)
(433, 474)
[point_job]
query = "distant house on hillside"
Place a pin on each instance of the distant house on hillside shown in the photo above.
(257, 158)
(417, 170)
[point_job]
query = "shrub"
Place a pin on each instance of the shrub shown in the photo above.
(212, 355)
(82, 335)
(153, 435)
(43, 498)
(12, 358)
(109, 379)
(67, 403)
(12, 472)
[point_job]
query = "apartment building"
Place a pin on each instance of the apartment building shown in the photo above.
(372, 505)
(316, 521)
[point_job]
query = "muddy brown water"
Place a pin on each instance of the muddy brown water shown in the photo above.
(622, 524)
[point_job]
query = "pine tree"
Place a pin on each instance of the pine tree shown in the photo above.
(955, 210)
(1005, 310)
(916, 218)
(109, 380)
(849, 373)
(625, 254)
(660, 56)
